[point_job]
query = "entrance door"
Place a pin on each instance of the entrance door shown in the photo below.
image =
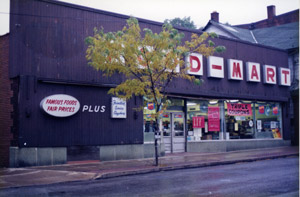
(173, 132)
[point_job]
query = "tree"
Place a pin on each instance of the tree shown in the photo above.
(148, 62)
(186, 22)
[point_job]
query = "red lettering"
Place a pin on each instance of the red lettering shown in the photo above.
(51, 108)
(66, 109)
(216, 67)
(54, 102)
(70, 102)
(254, 73)
(285, 73)
(270, 74)
(236, 71)
(192, 69)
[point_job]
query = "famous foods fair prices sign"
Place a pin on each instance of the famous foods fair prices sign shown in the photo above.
(60, 105)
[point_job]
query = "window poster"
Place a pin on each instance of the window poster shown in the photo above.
(239, 109)
(213, 119)
(275, 110)
(198, 122)
(150, 106)
(261, 109)
(259, 125)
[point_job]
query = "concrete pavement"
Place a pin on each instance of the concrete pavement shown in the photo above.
(90, 170)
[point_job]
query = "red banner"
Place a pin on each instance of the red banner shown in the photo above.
(198, 122)
(275, 110)
(213, 119)
(238, 109)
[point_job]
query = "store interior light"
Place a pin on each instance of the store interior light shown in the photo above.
(213, 102)
(233, 101)
(191, 104)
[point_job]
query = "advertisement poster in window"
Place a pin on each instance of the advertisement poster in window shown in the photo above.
(213, 119)
(198, 122)
(275, 110)
(239, 109)
(259, 125)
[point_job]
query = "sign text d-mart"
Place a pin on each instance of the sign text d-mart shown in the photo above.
(215, 69)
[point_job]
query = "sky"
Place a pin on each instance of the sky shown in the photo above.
(233, 12)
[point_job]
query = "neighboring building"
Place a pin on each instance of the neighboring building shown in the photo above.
(5, 102)
(61, 111)
(281, 32)
(273, 19)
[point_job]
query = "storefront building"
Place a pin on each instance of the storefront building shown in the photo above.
(62, 112)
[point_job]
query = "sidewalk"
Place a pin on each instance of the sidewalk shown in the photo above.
(90, 170)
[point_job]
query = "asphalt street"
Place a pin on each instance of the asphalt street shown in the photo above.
(277, 177)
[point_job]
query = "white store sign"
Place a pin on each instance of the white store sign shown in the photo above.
(118, 108)
(195, 62)
(60, 105)
(269, 74)
(235, 69)
(215, 67)
(253, 72)
(285, 77)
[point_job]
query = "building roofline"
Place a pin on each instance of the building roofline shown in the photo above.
(221, 27)
(123, 16)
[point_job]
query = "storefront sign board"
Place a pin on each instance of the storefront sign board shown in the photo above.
(235, 69)
(253, 72)
(195, 62)
(60, 105)
(269, 74)
(284, 77)
(239, 109)
(215, 67)
(118, 108)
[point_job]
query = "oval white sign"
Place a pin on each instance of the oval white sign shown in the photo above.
(60, 105)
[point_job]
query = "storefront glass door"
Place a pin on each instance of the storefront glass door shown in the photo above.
(174, 132)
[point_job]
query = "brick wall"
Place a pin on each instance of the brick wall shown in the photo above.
(5, 102)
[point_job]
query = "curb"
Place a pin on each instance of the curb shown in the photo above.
(187, 166)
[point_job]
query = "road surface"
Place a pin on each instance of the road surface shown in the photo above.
(278, 177)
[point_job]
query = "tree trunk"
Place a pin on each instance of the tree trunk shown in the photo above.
(155, 141)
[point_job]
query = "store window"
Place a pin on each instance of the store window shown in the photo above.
(252, 120)
(239, 119)
(149, 125)
(203, 120)
(268, 120)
